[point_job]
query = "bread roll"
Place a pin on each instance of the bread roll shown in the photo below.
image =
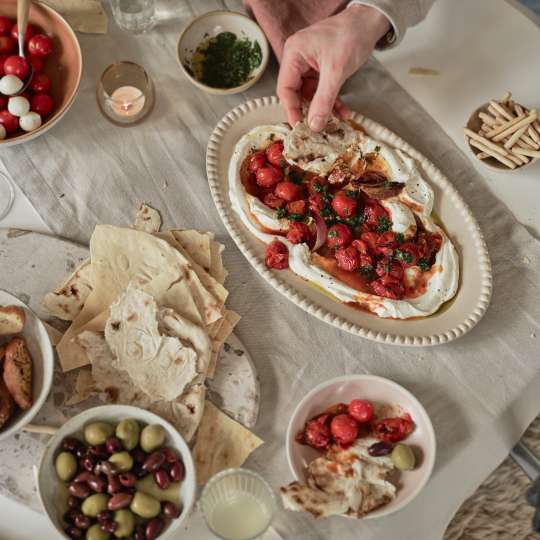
(18, 372)
(12, 320)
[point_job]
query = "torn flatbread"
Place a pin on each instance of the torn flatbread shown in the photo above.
(147, 219)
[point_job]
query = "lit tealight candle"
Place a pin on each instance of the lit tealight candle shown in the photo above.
(127, 101)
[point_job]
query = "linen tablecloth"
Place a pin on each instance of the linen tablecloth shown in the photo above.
(480, 391)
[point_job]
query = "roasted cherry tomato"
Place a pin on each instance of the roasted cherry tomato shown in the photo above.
(18, 66)
(316, 202)
(361, 410)
(361, 246)
(42, 104)
(393, 430)
(387, 239)
(339, 235)
(40, 45)
(7, 44)
(298, 232)
(372, 212)
(277, 255)
(348, 258)
(273, 202)
(388, 267)
(297, 207)
(37, 63)
(344, 206)
(40, 84)
(274, 154)
(407, 254)
(5, 26)
(370, 238)
(288, 191)
(366, 261)
(317, 434)
(317, 184)
(28, 34)
(10, 122)
(269, 176)
(435, 242)
(344, 429)
(388, 287)
(256, 161)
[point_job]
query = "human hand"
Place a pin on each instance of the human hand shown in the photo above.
(322, 56)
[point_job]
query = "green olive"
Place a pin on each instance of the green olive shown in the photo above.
(122, 460)
(125, 523)
(95, 533)
(403, 457)
(128, 432)
(145, 506)
(152, 437)
(97, 432)
(66, 466)
(94, 504)
(148, 485)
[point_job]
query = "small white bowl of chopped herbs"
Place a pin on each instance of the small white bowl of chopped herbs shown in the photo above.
(223, 52)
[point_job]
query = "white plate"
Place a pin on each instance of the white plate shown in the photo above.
(453, 320)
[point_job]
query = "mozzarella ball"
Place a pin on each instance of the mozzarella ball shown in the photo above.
(18, 106)
(3, 132)
(30, 121)
(10, 85)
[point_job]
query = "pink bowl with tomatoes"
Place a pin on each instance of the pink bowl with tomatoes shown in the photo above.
(57, 74)
(382, 393)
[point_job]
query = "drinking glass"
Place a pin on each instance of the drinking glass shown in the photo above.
(238, 504)
(135, 16)
(6, 195)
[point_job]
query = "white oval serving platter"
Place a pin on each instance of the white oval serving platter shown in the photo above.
(452, 321)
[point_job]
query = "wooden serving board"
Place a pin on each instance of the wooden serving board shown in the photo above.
(32, 264)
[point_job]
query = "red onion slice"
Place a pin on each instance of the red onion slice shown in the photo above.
(322, 230)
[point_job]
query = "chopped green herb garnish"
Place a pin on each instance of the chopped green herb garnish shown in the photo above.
(384, 224)
(332, 234)
(318, 187)
(351, 193)
(404, 256)
(423, 264)
(400, 238)
(377, 149)
(326, 213)
(367, 272)
(296, 217)
(281, 213)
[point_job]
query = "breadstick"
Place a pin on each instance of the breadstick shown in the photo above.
(513, 139)
(536, 126)
(498, 116)
(533, 135)
(488, 119)
(509, 128)
(492, 153)
(502, 110)
(518, 109)
(506, 97)
(526, 152)
(530, 142)
(482, 155)
(518, 159)
(495, 147)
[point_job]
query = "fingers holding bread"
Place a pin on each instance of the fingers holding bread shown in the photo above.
(12, 319)
(18, 372)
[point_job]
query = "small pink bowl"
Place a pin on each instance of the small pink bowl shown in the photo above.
(380, 391)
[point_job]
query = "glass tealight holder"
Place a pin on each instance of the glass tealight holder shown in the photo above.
(125, 93)
(238, 504)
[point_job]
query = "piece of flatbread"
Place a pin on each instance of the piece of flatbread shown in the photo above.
(85, 386)
(147, 219)
(226, 328)
(115, 386)
(197, 244)
(67, 301)
(221, 443)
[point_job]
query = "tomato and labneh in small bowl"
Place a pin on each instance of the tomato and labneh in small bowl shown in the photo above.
(49, 72)
(359, 446)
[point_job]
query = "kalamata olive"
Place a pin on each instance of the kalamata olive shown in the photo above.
(97, 483)
(88, 462)
(144, 505)
(81, 490)
(114, 485)
(73, 532)
(152, 437)
(170, 510)
(380, 449)
(99, 451)
(83, 476)
(113, 445)
(154, 461)
(138, 470)
(108, 526)
(154, 528)
(97, 432)
(66, 466)
(140, 533)
(105, 515)
(403, 457)
(170, 455)
(119, 500)
(82, 521)
(177, 471)
(162, 479)
(81, 451)
(70, 444)
(95, 533)
(139, 455)
(122, 460)
(128, 431)
(70, 515)
(105, 467)
(127, 479)
(94, 504)
(125, 523)
(74, 503)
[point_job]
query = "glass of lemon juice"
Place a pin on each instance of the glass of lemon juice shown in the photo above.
(238, 504)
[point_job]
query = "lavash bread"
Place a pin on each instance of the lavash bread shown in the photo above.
(18, 372)
(147, 219)
(12, 319)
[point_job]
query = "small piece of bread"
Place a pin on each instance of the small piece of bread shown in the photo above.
(18, 372)
(12, 320)
(6, 404)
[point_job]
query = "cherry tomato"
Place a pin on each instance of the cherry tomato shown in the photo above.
(269, 176)
(348, 258)
(339, 235)
(274, 154)
(272, 201)
(386, 267)
(3, 58)
(298, 232)
(7, 44)
(407, 254)
(361, 410)
(42, 104)
(5, 26)
(40, 45)
(18, 66)
(317, 184)
(277, 255)
(388, 287)
(344, 206)
(387, 239)
(393, 430)
(344, 429)
(256, 161)
(370, 238)
(288, 191)
(37, 63)
(317, 434)
(316, 202)
(29, 33)
(366, 261)
(10, 122)
(40, 83)
(372, 212)
(435, 242)
(361, 246)
(297, 207)
(3, 103)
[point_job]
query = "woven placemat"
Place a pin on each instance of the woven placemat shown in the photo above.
(497, 510)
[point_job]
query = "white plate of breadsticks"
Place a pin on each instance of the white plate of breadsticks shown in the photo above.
(503, 134)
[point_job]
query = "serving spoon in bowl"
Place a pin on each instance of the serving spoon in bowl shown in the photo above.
(23, 9)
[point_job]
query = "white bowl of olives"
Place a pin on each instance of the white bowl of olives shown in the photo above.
(117, 472)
